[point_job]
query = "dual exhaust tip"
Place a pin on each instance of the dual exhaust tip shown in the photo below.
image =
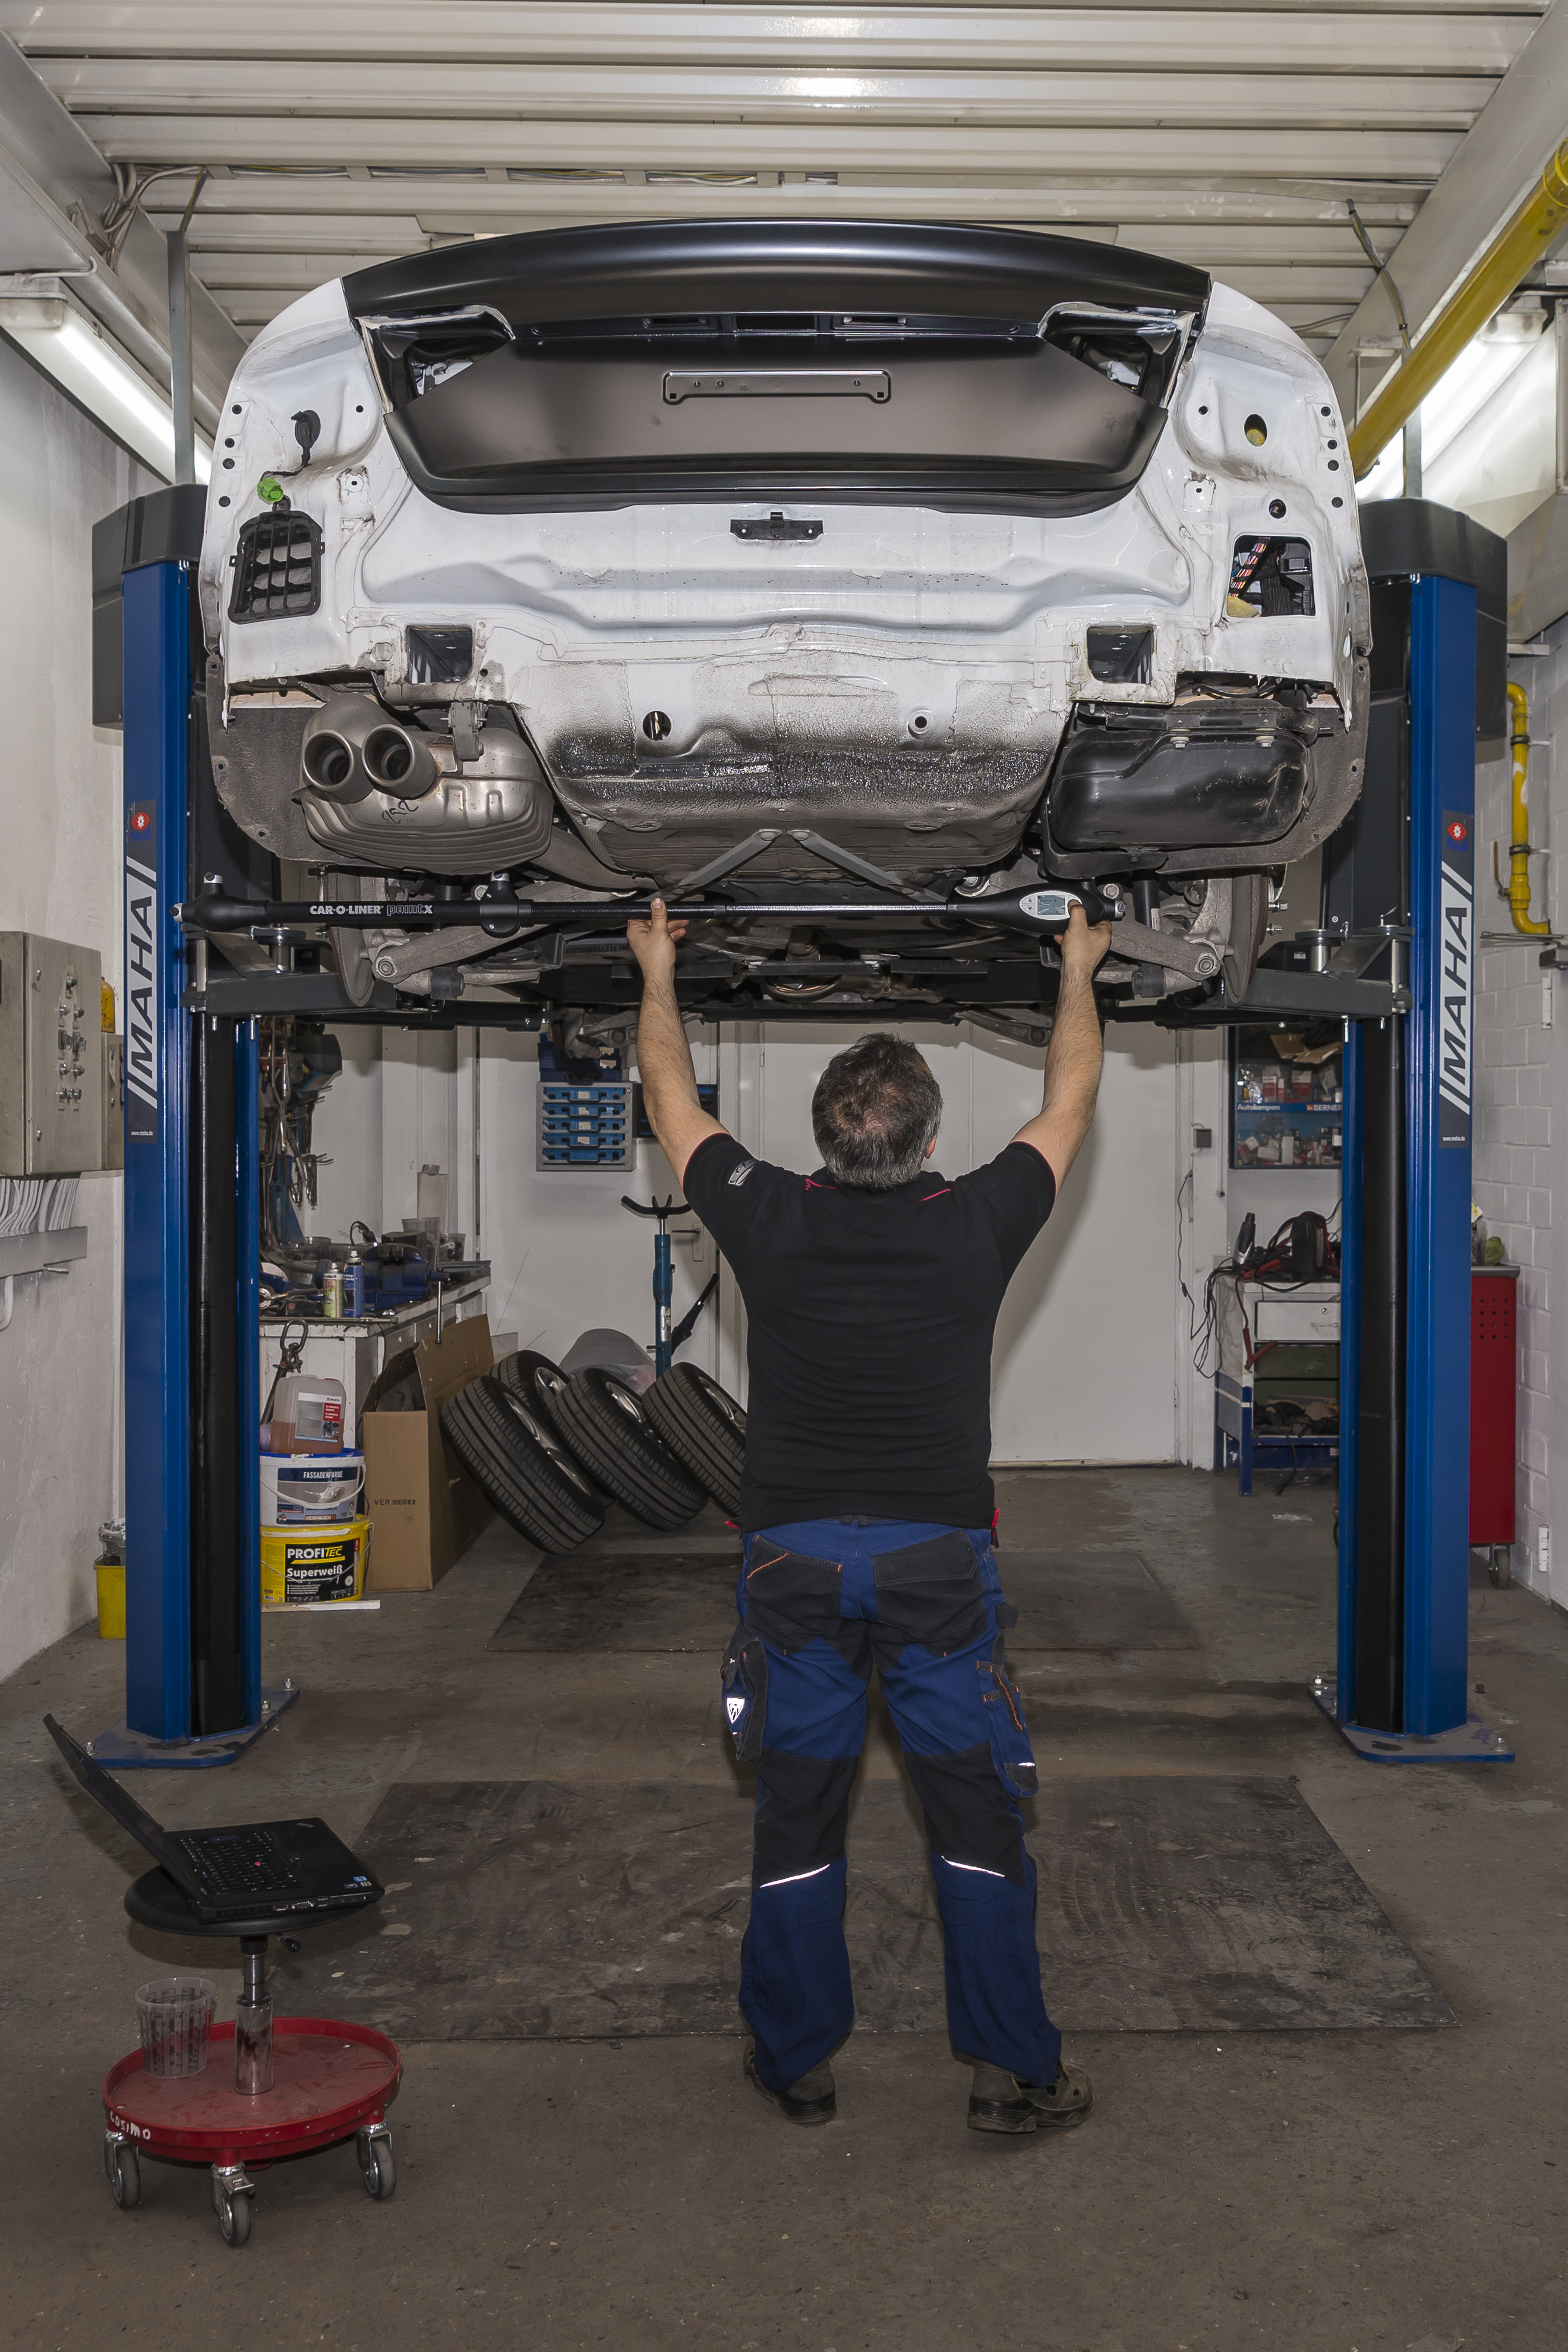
(352, 748)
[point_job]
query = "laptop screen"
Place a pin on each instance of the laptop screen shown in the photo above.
(125, 1808)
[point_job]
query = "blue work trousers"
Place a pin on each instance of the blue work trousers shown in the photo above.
(819, 1602)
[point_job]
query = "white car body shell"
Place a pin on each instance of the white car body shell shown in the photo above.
(958, 627)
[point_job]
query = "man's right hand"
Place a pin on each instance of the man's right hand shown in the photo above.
(1083, 948)
(663, 1057)
(654, 942)
(1073, 1057)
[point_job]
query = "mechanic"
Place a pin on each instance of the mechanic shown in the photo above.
(872, 1291)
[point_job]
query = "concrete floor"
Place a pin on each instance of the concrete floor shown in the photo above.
(1302, 2192)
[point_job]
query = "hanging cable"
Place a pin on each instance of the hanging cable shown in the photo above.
(1359, 226)
(130, 188)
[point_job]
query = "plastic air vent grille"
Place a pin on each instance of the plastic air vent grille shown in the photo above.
(277, 569)
(585, 1126)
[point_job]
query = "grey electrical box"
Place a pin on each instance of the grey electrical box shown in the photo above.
(51, 1064)
(113, 1101)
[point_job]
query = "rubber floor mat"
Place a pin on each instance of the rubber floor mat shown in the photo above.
(518, 1909)
(710, 1530)
(1090, 1600)
(670, 1595)
(672, 1599)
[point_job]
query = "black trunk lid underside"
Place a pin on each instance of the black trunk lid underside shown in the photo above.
(962, 369)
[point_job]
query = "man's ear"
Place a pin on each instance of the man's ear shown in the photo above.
(931, 1146)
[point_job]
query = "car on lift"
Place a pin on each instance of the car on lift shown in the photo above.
(844, 581)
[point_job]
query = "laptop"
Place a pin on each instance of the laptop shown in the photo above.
(256, 1870)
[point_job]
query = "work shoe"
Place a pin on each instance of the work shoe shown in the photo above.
(812, 2100)
(1000, 2101)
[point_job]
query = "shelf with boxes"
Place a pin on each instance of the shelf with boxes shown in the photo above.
(1287, 1098)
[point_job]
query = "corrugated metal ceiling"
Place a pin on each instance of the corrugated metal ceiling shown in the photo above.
(1228, 136)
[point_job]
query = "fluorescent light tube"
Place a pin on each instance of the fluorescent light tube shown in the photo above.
(84, 361)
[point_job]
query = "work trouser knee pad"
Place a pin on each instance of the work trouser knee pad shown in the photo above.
(970, 1819)
(802, 1811)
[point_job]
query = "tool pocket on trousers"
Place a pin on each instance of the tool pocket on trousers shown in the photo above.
(931, 1593)
(744, 1675)
(1012, 1751)
(792, 1598)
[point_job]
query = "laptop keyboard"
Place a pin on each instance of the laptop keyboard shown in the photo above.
(247, 1863)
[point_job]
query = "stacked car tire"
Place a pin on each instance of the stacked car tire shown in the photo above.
(518, 1463)
(704, 1428)
(551, 1451)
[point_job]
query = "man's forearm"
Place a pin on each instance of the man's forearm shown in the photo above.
(1076, 1052)
(663, 1057)
(1073, 1057)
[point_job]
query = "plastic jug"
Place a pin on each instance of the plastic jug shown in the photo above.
(308, 1416)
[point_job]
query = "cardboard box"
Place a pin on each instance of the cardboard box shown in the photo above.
(425, 1508)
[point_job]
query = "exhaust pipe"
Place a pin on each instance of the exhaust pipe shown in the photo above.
(329, 763)
(399, 762)
(351, 748)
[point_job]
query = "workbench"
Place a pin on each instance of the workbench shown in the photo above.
(355, 1350)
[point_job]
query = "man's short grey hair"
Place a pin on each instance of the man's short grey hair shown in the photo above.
(875, 1113)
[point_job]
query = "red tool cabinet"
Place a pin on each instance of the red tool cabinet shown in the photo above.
(1494, 1384)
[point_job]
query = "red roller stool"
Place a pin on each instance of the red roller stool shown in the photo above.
(328, 2082)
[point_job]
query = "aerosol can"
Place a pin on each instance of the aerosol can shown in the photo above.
(353, 1283)
(332, 1293)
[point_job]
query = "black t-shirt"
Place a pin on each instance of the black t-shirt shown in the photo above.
(871, 1317)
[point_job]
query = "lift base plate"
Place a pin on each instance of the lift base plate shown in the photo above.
(121, 1749)
(1469, 1742)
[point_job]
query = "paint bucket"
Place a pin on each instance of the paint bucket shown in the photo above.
(314, 1563)
(306, 1489)
(111, 1599)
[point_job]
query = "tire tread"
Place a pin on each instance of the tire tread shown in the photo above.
(630, 1462)
(713, 1451)
(512, 1470)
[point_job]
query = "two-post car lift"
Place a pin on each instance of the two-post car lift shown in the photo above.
(1399, 897)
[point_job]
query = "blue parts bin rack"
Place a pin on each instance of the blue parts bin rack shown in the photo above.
(585, 1118)
(192, 1651)
(1404, 864)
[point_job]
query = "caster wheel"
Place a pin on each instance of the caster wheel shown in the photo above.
(378, 2168)
(233, 2215)
(123, 2167)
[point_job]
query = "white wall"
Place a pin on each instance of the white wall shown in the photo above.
(1522, 1082)
(567, 1258)
(60, 1421)
(347, 1135)
(404, 1100)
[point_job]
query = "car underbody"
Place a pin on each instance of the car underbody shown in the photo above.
(833, 581)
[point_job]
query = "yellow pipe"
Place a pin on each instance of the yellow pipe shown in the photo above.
(1517, 892)
(1505, 264)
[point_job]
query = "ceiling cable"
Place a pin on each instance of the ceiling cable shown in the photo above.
(1380, 266)
(123, 207)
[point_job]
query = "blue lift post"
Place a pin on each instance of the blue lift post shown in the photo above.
(1400, 1692)
(192, 1652)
